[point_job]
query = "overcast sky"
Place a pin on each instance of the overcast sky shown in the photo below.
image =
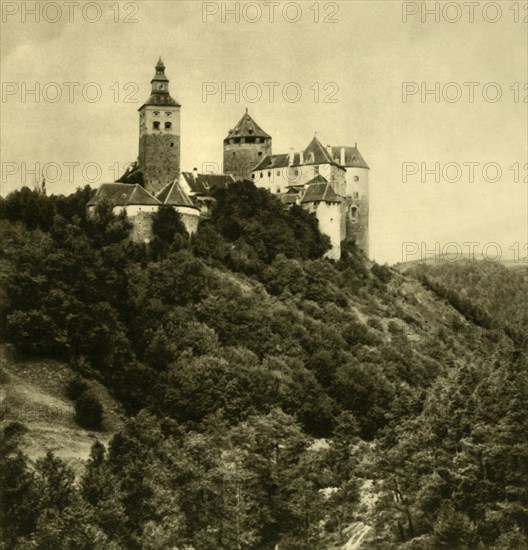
(350, 71)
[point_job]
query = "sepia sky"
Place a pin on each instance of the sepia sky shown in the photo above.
(360, 58)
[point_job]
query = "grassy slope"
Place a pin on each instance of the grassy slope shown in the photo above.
(33, 393)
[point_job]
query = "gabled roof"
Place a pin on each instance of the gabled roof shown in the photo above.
(203, 184)
(315, 153)
(317, 179)
(353, 158)
(320, 192)
(319, 152)
(246, 127)
(173, 195)
(272, 161)
(122, 194)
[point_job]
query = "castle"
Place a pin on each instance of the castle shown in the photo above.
(332, 181)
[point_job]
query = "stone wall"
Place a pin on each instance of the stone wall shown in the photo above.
(240, 158)
(141, 228)
(159, 160)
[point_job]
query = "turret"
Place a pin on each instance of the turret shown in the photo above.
(356, 195)
(244, 147)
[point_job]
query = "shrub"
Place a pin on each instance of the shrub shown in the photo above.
(88, 411)
(382, 272)
(76, 387)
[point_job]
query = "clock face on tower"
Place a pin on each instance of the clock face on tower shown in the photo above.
(160, 86)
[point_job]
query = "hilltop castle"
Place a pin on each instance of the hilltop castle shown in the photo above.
(332, 181)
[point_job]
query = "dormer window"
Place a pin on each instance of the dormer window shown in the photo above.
(156, 125)
(250, 131)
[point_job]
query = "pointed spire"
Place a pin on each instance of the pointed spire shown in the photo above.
(159, 94)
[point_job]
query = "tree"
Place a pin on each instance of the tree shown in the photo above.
(88, 411)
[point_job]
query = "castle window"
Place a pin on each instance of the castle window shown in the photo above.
(156, 125)
(168, 125)
(253, 176)
(250, 140)
(260, 153)
(237, 140)
(261, 175)
(168, 114)
(156, 113)
(250, 131)
(269, 174)
(172, 144)
(356, 195)
(356, 178)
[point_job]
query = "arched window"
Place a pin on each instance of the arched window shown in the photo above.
(168, 125)
(156, 125)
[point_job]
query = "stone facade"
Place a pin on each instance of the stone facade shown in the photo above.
(158, 160)
(159, 135)
(245, 145)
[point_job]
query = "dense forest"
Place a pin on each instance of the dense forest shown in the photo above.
(269, 392)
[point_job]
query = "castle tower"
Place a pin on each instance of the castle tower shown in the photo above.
(356, 203)
(244, 147)
(159, 134)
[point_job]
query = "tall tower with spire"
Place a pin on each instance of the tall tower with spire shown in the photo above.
(244, 147)
(159, 134)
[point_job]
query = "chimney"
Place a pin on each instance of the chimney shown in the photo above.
(342, 156)
(301, 161)
(195, 173)
(329, 151)
(292, 157)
